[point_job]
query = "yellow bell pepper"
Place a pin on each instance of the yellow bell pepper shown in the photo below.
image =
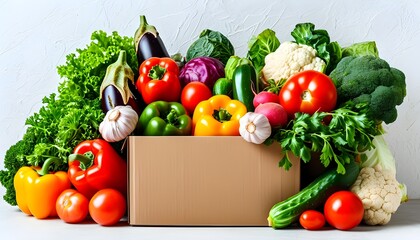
(37, 190)
(218, 116)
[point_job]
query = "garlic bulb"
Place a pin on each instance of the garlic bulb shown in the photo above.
(254, 127)
(118, 123)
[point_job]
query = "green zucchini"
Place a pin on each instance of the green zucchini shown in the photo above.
(244, 79)
(314, 195)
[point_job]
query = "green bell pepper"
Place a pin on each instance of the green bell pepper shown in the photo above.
(163, 118)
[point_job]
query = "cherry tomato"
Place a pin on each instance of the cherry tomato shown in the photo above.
(308, 91)
(312, 220)
(72, 206)
(343, 210)
(107, 207)
(192, 94)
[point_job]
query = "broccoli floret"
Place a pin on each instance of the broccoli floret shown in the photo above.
(13, 160)
(371, 80)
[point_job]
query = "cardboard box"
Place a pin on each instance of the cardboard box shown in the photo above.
(205, 181)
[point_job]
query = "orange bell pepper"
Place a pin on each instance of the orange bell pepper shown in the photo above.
(37, 190)
(218, 116)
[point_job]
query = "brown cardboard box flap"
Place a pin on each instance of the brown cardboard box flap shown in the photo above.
(205, 181)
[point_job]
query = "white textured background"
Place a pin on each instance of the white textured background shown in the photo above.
(35, 37)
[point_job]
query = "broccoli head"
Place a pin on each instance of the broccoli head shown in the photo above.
(371, 80)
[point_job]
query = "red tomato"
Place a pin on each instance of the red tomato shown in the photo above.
(107, 207)
(343, 210)
(308, 91)
(312, 220)
(72, 206)
(192, 94)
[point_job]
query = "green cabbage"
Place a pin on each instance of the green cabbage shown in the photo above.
(211, 44)
(361, 49)
(260, 46)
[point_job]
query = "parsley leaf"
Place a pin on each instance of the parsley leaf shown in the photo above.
(339, 136)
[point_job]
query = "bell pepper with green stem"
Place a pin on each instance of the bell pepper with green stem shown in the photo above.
(158, 80)
(218, 116)
(37, 190)
(95, 165)
(163, 118)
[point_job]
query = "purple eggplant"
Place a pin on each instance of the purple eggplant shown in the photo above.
(111, 97)
(118, 87)
(147, 42)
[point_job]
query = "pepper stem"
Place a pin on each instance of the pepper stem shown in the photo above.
(157, 72)
(46, 166)
(172, 117)
(222, 115)
(86, 159)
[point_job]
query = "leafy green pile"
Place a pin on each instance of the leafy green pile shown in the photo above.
(71, 116)
(211, 44)
(349, 132)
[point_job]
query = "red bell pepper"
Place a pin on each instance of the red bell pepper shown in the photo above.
(158, 80)
(95, 165)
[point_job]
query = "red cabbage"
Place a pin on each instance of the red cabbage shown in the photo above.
(202, 69)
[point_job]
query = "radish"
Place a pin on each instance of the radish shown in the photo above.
(265, 97)
(276, 114)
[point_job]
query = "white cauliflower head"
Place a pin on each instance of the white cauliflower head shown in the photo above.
(289, 59)
(380, 193)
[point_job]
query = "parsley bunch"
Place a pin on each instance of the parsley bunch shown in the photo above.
(339, 135)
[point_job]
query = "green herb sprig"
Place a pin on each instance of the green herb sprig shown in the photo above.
(339, 136)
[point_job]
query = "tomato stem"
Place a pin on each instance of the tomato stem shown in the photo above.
(306, 95)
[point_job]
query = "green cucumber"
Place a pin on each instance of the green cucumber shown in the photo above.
(244, 79)
(314, 195)
(223, 86)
